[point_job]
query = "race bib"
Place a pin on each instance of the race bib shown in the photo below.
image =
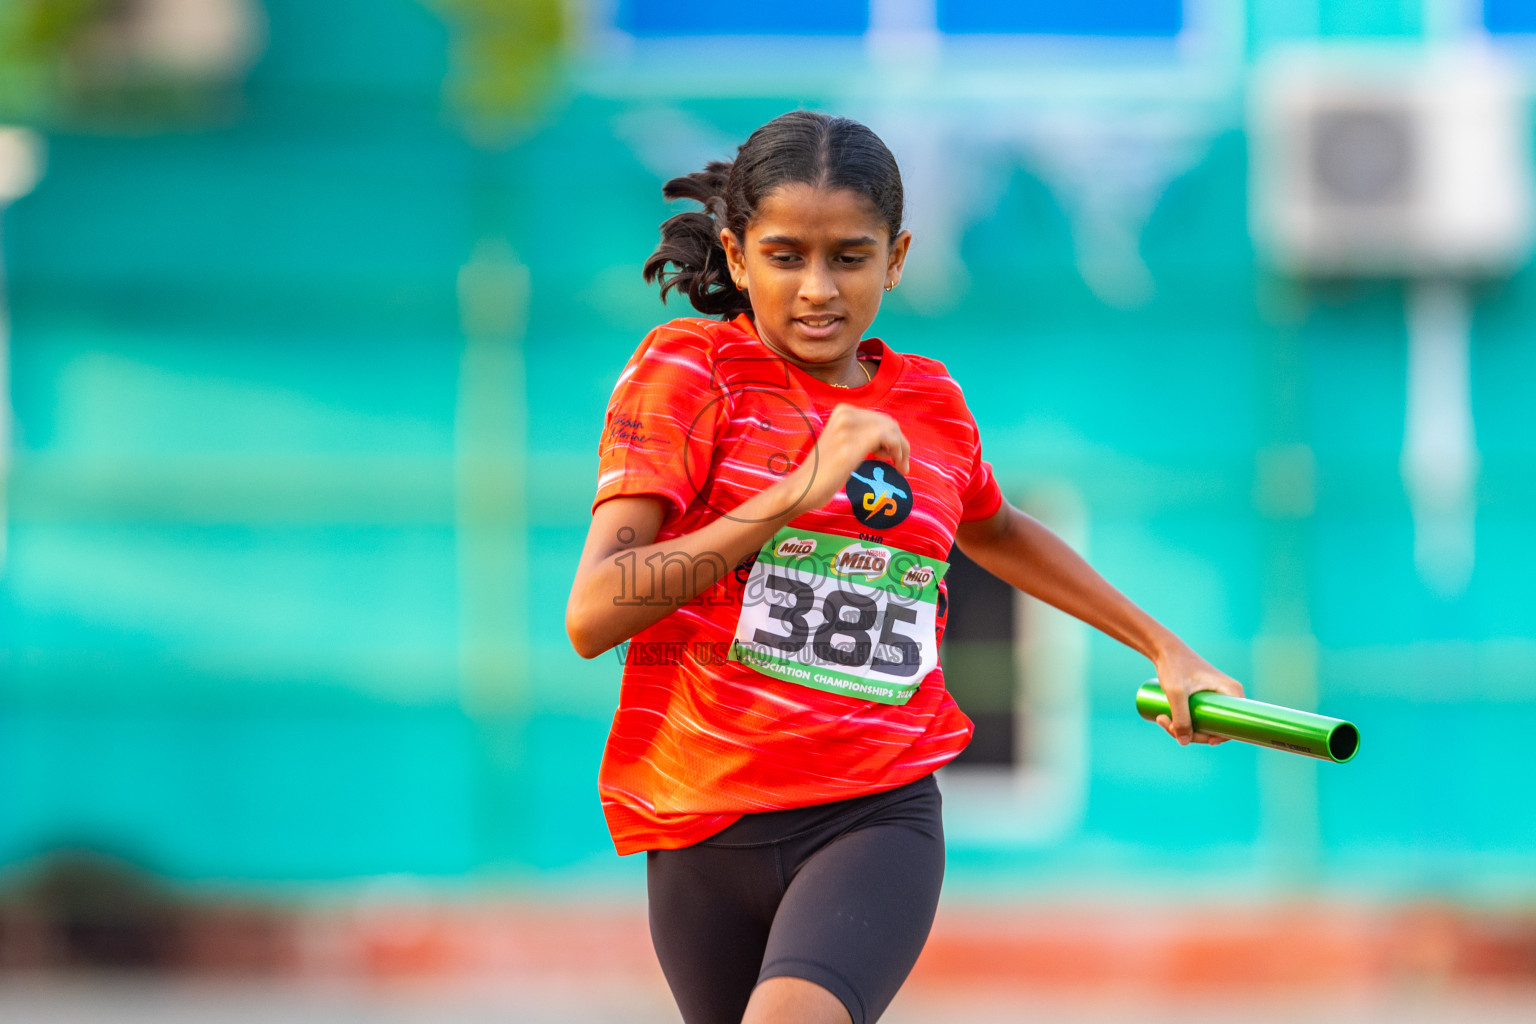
(841, 615)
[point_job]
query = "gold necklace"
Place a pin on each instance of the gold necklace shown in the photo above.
(867, 377)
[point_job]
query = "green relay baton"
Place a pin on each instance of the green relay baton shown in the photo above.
(1253, 721)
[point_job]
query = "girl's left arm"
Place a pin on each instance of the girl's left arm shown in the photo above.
(1021, 551)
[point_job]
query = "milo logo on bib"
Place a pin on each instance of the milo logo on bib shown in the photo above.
(856, 559)
(839, 615)
(795, 547)
(917, 576)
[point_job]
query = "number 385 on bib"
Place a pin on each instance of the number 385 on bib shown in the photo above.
(840, 615)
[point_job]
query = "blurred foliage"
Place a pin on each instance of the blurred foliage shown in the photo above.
(505, 63)
(84, 63)
(36, 39)
(90, 64)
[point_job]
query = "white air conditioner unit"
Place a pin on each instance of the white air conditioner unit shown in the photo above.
(1374, 161)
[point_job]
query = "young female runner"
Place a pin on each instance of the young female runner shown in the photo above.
(775, 497)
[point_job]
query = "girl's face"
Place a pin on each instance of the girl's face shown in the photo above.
(815, 264)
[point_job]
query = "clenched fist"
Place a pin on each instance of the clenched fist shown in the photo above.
(852, 434)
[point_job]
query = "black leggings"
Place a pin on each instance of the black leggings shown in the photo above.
(840, 894)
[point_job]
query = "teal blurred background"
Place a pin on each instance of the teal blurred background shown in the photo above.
(307, 395)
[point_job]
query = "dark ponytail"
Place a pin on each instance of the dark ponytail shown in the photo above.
(801, 147)
(691, 243)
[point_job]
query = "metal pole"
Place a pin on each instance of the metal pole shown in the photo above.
(1440, 460)
(21, 164)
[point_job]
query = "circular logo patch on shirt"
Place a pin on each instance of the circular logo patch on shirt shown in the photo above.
(879, 494)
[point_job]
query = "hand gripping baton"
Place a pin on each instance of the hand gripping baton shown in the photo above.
(1252, 721)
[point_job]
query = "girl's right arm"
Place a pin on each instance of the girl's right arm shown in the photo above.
(626, 581)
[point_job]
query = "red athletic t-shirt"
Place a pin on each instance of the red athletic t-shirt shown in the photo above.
(705, 416)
